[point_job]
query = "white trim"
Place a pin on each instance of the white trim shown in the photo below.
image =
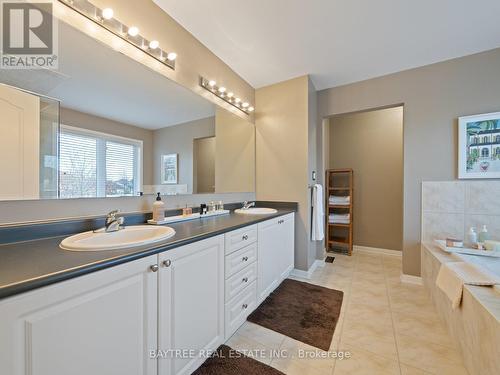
(376, 250)
(410, 279)
(307, 274)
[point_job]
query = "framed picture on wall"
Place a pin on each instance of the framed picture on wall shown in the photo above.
(169, 169)
(479, 146)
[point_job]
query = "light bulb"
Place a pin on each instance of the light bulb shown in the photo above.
(222, 89)
(171, 56)
(154, 44)
(250, 109)
(244, 105)
(212, 83)
(230, 94)
(237, 100)
(133, 31)
(107, 13)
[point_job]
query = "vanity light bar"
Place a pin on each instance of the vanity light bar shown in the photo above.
(226, 95)
(130, 34)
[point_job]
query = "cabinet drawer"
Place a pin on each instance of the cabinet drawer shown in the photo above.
(240, 238)
(239, 308)
(238, 260)
(238, 282)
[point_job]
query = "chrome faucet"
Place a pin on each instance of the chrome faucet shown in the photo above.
(247, 205)
(113, 223)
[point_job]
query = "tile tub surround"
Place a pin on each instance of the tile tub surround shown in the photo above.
(450, 208)
(475, 325)
(32, 264)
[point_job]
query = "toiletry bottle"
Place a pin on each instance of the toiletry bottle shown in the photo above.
(158, 209)
(472, 237)
(483, 235)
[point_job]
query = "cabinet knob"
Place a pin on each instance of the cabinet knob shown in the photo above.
(245, 280)
(245, 237)
(167, 263)
(245, 259)
(244, 306)
(154, 268)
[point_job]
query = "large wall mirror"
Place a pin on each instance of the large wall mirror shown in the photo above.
(104, 125)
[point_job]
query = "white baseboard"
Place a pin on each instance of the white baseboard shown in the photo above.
(307, 274)
(410, 279)
(376, 250)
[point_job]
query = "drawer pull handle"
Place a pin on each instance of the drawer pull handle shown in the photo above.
(154, 268)
(245, 280)
(167, 263)
(245, 259)
(244, 306)
(245, 237)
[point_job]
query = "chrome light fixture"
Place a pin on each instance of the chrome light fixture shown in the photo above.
(226, 95)
(130, 34)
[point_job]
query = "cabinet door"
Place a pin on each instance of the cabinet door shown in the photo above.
(101, 323)
(269, 257)
(287, 235)
(191, 304)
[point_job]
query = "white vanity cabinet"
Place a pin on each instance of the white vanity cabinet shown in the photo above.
(101, 323)
(241, 277)
(275, 253)
(191, 304)
(258, 259)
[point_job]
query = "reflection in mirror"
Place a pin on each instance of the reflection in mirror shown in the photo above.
(116, 128)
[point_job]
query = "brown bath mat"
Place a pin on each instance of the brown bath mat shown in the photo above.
(227, 361)
(302, 311)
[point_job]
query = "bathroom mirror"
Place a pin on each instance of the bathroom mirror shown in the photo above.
(104, 125)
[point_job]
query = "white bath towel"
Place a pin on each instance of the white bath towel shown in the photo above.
(339, 218)
(318, 214)
(339, 200)
(453, 276)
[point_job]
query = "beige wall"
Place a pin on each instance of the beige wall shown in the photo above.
(371, 143)
(234, 154)
(178, 139)
(204, 165)
(282, 129)
(100, 124)
(194, 59)
(434, 97)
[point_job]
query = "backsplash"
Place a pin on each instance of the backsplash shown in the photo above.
(450, 208)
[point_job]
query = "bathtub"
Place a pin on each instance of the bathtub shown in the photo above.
(475, 325)
(489, 264)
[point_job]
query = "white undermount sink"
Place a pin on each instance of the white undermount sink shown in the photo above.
(256, 211)
(125, 238)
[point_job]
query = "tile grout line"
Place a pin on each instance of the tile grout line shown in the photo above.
(392, 318)
(347, 308)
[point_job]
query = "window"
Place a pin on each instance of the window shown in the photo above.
(485, 152)
(93, 164)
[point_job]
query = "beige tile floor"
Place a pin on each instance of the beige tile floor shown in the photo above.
(386, 326)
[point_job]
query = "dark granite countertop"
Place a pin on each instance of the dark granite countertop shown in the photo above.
(32, 264)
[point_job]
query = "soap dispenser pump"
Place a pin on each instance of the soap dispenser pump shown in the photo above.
(158, 209)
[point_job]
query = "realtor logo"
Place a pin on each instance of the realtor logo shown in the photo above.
(28, 35)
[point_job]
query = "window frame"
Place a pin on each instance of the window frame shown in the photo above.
(102, 138)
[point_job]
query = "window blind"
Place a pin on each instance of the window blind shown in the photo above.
(98, 165)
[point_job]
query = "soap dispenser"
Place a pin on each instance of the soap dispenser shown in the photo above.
(158, 209)
(472, 237)
(483, 235)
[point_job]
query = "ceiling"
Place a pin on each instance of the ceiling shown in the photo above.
(95, 79)
(336, 41)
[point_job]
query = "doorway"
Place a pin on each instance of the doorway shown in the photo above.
(371, 144)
